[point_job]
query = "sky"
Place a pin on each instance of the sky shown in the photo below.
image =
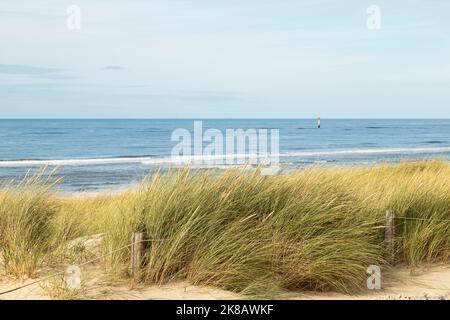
(225, 59)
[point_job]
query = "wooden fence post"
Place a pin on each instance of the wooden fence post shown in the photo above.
(389, 235)
(138, 244)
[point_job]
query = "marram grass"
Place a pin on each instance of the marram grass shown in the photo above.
(311, 229)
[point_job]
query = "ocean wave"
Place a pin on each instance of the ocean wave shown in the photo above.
(75, 162)
(152, 160)
(404, 151)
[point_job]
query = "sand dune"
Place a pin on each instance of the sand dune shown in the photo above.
(429, 283)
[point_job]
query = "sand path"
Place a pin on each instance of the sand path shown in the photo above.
(430, 283)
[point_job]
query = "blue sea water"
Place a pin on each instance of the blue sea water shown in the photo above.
(109, 154)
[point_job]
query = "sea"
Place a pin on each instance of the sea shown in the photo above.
(110, 154)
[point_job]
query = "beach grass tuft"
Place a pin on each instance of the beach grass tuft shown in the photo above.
(312, 229)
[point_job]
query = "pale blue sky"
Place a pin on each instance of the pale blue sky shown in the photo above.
(228, 58)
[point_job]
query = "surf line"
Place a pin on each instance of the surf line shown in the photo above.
(189, 159)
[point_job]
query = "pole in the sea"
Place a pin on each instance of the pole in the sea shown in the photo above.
(318, 122)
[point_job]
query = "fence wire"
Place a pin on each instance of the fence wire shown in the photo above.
(79, 265)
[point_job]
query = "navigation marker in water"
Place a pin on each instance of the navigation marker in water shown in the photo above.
(318, 122)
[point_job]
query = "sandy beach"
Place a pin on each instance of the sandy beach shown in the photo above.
(430, 283)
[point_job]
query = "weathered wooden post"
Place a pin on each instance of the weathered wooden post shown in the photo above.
(138, 244)
(389, 235)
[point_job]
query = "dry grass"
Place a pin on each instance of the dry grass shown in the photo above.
(316, 229)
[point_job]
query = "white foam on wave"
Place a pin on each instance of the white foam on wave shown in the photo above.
(370, 151)
(197, 159)
(77, 162)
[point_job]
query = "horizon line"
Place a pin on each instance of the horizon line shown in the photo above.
(223, 118)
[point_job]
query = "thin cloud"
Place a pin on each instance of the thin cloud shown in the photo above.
(26, 70)
(53, 77)
(115, 68)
